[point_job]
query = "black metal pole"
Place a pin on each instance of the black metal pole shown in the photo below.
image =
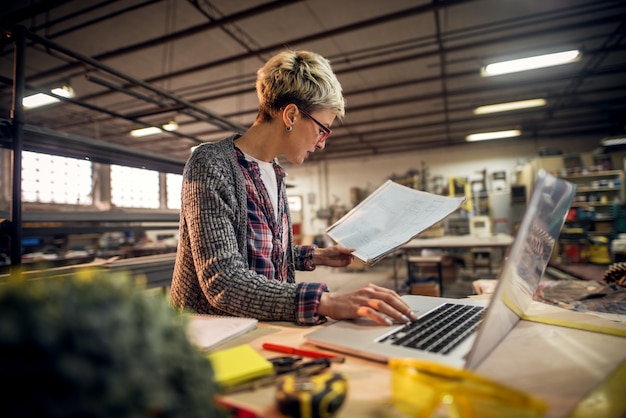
(17, 117)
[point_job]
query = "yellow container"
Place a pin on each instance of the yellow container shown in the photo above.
(599, 251)
(420, 388)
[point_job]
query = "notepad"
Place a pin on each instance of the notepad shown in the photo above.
(209, 331)
(239, 364)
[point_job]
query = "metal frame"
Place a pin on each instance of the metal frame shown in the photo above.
(12, 135)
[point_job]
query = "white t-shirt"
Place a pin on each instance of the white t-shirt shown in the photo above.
(268, 175)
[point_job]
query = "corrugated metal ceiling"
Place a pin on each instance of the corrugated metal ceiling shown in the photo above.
(410, 69)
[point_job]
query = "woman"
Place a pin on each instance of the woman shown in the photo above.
(236, 254)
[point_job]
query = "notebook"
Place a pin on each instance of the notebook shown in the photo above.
(239, 364)
(518, 279)
(210, 331)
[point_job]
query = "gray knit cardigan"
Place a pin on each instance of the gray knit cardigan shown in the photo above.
(211, 274)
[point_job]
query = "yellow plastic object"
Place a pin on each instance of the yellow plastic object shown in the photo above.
(419, 388)
(606, 400)
(599, 251)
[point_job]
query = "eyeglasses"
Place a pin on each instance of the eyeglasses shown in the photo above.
(324, 130)
(419, 388)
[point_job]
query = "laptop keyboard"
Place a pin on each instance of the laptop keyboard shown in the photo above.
(441, 330)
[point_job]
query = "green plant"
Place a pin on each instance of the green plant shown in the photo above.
(94, 345)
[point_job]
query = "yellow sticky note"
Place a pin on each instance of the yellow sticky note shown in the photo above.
(239, 364)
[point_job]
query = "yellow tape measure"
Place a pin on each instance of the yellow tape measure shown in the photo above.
(318, 396)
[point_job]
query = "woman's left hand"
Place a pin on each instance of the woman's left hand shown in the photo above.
(335, 256)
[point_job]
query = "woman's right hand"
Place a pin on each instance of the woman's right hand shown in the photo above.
(377, 303)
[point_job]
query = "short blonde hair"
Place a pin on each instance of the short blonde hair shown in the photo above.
(303, 78)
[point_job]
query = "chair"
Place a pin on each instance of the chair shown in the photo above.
(481, 257)
(416, 262)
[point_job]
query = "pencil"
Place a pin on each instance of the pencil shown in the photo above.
(297, 351)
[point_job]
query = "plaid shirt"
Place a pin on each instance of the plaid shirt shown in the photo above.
(268, 240)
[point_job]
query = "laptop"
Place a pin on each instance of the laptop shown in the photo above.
(485, 323)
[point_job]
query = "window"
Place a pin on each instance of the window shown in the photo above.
(134, 187)
(53, 179)
(174, 187)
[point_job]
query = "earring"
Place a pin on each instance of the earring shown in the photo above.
(289, 128)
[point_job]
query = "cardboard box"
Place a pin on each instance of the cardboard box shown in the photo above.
(435, 231)
(425, 289)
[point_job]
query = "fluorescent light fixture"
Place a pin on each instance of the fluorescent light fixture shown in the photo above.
(38, 100)
(485, 136)
(610, 141)
(150, 130)
(530, 63)
(42, 99)
(505, 107)
(153, 130)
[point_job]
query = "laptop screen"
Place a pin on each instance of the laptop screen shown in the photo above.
(526, 262)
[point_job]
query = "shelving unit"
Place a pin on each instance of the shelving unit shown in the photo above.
(597, 196)
(591, 223)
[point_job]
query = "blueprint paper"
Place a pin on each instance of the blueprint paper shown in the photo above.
(389, 218)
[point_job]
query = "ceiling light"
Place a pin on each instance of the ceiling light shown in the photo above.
(170, 126)
(505, 107)
(153, 130)
(150, 130)
(42, 99)
(610, 141)
(530, 63)
(484, 136)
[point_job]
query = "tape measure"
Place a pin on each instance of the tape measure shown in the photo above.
(318, 396)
